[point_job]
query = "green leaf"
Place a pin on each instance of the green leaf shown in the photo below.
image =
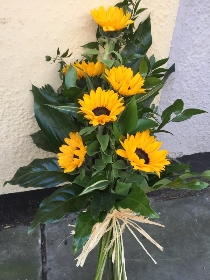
(143, 68)
(108, 62)
(55, 125)
(116, 132)
(91, 45)
(139, 45)
(91, 52)
(93, 148)
(71, 77)
(71, 92)
(168, 73)
(195, 184)
(151, 82)
(206, 174)
(65, 54)
(175, 108)
(122, 188)
(89, 83)
(97, 183)
(102, 202)
(187, 114)
(83, 229)
(41, 141)
(150, 93)
(70, 109)
(103, 140)
(58, 51)
(62, 201)
(87, 130)
(128, 120)
(119, 164)
(138, 202)
(99, 165)
(44, 173)
(107, 158)
(144, 124)
(152, 61)
(48, 58)
(160, 63)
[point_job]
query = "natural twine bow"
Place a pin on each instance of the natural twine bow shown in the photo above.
(111, 222)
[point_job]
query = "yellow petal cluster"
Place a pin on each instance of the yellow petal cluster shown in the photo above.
(101, 106)
(86, 68)
(113, 19)
(73, 154)
(142, 150)
(91, 69)
(124, 81)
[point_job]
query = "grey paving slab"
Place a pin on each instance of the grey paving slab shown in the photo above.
(20, 257)
(185, 238)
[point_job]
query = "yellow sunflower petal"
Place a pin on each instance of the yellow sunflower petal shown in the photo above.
(101, 106)
(123, 80)
(142, 150)
(113, 19)
(73, 154)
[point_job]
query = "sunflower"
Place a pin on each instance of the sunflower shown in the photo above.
(114, 19)
(123, 80)
(101, 106)
(91, 69)
(142, 152)
(73, 154)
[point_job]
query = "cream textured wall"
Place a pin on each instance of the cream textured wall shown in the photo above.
(29, 30)
(190, 50)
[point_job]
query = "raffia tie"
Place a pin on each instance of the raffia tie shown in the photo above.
(112, 222)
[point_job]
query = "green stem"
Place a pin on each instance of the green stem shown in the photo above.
(102, 256)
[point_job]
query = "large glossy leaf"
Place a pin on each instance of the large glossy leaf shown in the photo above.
(141, 43)
(44, 173)
(144, 124)
(70, 109)
(41, 141)
(83, 228)
(150, 93)
(71, 77)
(138, 202)
(128, 120)
(62, 201)
(97, 183)
(102, 202)
(55, 125)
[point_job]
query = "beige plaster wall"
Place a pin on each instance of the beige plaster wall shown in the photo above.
(29, 30)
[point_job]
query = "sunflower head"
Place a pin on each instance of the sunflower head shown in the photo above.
(101, 106)
(124, 81)
(73, 154)
(113, 19)
(142, 150)
(90, 68)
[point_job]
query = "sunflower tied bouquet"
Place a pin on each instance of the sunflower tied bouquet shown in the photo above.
(102, 124)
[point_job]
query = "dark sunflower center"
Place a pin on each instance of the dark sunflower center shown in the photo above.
(101, 111)
(142, 155)
(75, 156)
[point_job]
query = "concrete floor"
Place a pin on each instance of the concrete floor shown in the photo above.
(185, 238)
